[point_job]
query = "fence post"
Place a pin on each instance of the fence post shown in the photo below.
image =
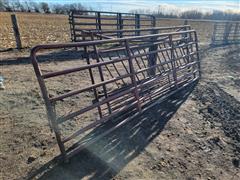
(119, 24)
(185, 22)
(152, 57)
(70, 24)
(16, 31)
(99, 24)
(153, 21)
(137, 24)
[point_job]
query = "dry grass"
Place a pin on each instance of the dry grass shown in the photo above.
(204, 28)
(35, 29)
(41, 28)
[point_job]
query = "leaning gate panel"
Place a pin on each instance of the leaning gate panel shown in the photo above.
(116, 76)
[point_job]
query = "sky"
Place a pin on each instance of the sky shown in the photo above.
(172, 5)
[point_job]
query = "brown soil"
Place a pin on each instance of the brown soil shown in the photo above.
(192, 135)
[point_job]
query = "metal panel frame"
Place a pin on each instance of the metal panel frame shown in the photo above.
(79, 20)
(226, 33)
(172, 63)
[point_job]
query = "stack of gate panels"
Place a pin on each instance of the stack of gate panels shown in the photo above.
(118, 78)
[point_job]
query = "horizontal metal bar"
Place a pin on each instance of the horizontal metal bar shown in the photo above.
(97, 104)
(142, 29)
(102, 36)
(80, 68)
(94, 24)
(94, 17)
(71, 93)
(94, 124)
(108, 99)
(146, 45)
(107, 12)
(79, 44)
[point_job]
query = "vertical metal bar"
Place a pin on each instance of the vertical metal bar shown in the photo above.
(173, 61)
(85, 47)
(229, 31)
(119, 24)
(138, 64)
(122, 62)
(152, 58)
(185, 29)
(177, 55)
(153, 21)
(70, 17)
(142, 57)
(185, 52)
(164, 57)
(101, 76)
(164, 45)
(133, 78)
(198, 58)
(185, 23)
(116, 70)
(182, 52)
(16, 31)
(98, 23)
(159, 59)
(165, 60)
(137, 24)
(73, 26)
(49, 106)
(93, 82)
(108, 69)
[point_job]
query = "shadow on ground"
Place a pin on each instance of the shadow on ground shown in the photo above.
(109, 155)
(57, 55)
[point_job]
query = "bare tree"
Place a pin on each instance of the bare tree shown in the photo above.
(1, 5)
(45, 8)
(35, 7)
(193, 14)
(58, 9)
(27, 6)
(7, 6)
(19, 6)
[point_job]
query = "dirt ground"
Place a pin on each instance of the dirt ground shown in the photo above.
(194, 134)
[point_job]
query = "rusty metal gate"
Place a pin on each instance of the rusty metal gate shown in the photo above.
(88, 35)
(102, 20)
(226, 33)
(117, 76)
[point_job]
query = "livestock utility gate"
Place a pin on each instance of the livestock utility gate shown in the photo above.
(101, 20)
(226, 33)
(89, 35)
(115, 76)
